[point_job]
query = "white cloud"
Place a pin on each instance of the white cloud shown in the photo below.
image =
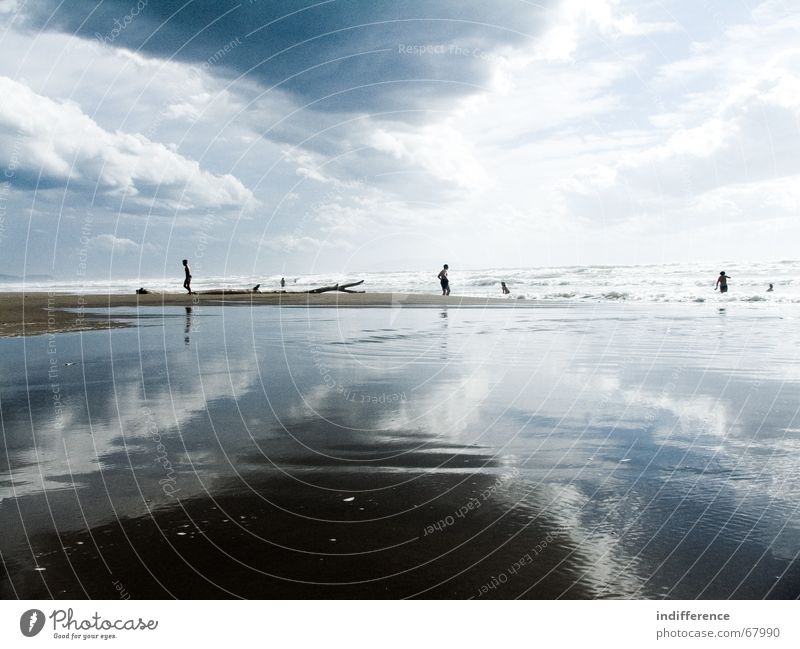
(440, 149)
(308, 165)
(753, 136)
(730, 153)
(291, 243)
(571, 20)
(57, 142)
(111, 243)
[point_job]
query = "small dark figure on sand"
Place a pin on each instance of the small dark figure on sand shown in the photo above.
(187, 283)
(770, 289)
(443, 279)
(722, 282)
(505, 288)
(283, 282)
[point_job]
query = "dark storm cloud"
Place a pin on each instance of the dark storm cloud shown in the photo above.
(403, 54)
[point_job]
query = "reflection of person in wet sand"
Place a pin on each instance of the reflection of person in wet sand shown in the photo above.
(722, 282)
(187, 282)
(445, 324)
(505, 288)
(188, 327)
(444, 280)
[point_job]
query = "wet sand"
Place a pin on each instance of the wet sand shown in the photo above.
(273, 538)
(29, 314)
(573, 452)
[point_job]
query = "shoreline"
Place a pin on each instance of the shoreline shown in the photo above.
(38, 313)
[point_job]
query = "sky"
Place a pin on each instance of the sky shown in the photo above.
(260, 137)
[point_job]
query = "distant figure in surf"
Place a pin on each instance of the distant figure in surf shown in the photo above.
(505, 288)
(187, 282)
(769, 290)
(283, 282)
(443, 279)
(722, 282)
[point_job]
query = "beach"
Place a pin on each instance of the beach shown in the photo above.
(282, 446)
(322, 303)
(40, 312)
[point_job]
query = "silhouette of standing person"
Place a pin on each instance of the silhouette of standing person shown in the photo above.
(444, 280)
(722, 282)
(283, 282)
(187, 282)
(505, 288)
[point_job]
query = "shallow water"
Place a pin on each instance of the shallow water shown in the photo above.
(571, 451)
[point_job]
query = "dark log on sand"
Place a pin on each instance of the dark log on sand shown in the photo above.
(337, 287)
(230, 291)
(343, 288)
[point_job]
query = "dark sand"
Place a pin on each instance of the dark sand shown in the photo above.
(240, 544)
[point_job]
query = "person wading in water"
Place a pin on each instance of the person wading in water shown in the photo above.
(722, 282)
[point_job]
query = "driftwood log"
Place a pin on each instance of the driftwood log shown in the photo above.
(337, 287)
(230, 291)
(343, 288)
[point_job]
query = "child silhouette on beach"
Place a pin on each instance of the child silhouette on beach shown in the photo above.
(443, 279)
(505, 288)
(722, 282)
(187, 283)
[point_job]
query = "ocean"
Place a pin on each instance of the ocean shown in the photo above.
(666, 283)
